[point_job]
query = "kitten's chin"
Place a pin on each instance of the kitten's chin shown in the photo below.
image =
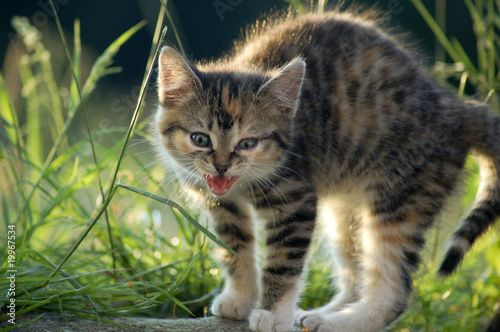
(220, 185)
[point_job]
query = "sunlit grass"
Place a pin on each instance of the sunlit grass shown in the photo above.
(94, 249)
(84, 246)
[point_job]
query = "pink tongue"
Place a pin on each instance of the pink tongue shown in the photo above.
(220, 184)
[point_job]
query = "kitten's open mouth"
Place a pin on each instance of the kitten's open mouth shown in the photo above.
(220, 184)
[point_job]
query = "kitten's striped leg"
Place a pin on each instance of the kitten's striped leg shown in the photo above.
(289, 236)
(390, 254)
(234, 226)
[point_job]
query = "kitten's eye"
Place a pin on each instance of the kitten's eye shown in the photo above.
(200, 140)
(247, 144)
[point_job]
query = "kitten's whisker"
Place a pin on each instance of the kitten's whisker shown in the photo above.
(135, 142)
(277, 191)
(268, 183)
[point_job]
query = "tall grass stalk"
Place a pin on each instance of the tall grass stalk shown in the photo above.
(484, 76)
(43, 190)
(111, 186)
(304, 6)
(76, 83)
(174, 28)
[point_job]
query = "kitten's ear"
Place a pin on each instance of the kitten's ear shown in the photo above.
(176, 80)
(282, 91)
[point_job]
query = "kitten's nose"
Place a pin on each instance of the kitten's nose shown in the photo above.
(221, 168)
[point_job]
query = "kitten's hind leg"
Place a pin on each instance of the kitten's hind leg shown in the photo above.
(234, 226)
(390, 253)
(339, 220)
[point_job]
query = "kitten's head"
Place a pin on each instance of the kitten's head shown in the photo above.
(223, 129)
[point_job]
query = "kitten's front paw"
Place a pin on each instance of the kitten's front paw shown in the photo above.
(314, 322)
(232, 306)
(353, 318)
(267, 321)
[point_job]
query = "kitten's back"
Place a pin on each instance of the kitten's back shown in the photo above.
(369, 113)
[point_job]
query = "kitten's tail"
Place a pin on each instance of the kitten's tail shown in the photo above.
(482, 133)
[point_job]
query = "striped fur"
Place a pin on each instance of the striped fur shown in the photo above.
(323, 117)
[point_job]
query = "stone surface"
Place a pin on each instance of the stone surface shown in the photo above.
(54, 323)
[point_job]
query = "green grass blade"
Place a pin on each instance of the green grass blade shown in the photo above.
(177, 207)
(38, 53)
(298, 5)
(179, 303)
(34, 306)
(102, 64)
(137, 112)
(34, 136)
(463, 81)
(156, 39)
(75, 71)
(173, 298)
(174, 28)
(41, 259)
(469, 66)
(490, 41)
(157, 268)
(110, 192)
(87, 231)
(431, 22)
(184, 274)
(5, 210)
(77, 60)
(18, 326)
(8, 115)
(63, 158)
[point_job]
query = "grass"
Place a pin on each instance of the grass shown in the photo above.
(78, 249)
(92, 240)
(483, 76)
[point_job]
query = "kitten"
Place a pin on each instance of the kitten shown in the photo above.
(323, 117)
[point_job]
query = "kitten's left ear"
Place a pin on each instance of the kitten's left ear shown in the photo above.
(282, 91)
(177, 81)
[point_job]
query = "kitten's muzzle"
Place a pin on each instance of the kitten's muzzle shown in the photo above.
(221, 168)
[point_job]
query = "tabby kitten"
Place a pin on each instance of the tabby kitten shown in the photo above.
(322, 117)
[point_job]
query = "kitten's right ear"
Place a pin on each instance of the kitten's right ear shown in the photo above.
(282, 91)
(176, 80)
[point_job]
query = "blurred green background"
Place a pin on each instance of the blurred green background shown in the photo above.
(203, 33)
